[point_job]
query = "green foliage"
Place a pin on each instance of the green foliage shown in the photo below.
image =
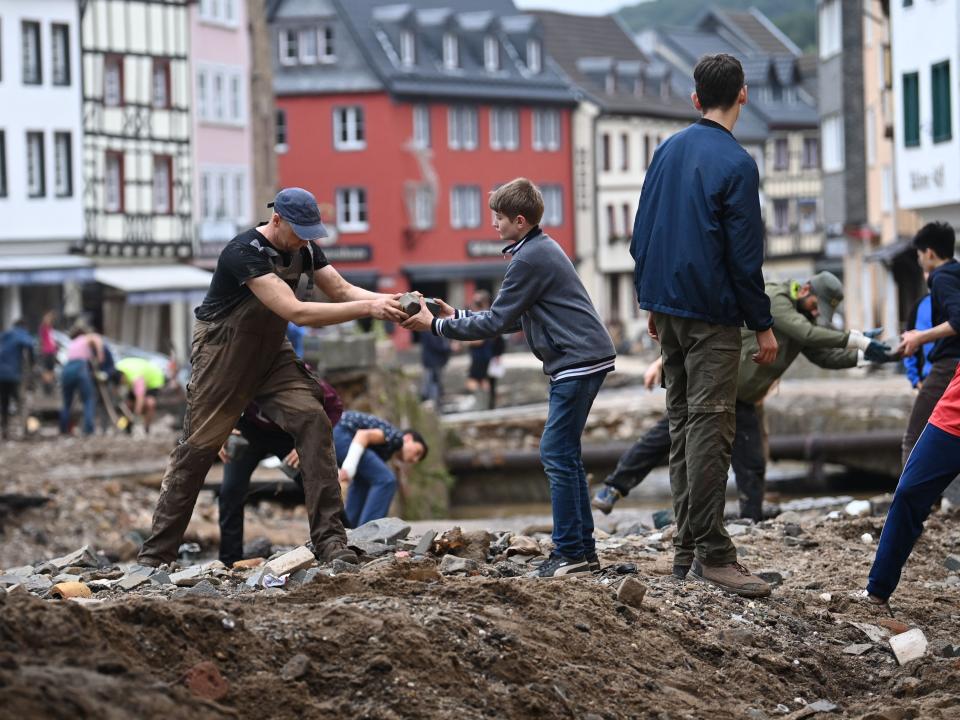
(796, 18)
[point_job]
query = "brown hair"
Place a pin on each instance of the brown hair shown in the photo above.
(518, 197)
(719, 79)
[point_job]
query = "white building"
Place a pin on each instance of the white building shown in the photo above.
(41, 199)
(926, 133)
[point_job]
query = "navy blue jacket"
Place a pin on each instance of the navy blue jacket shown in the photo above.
(944, 285)
(12, 344)
(698, 235)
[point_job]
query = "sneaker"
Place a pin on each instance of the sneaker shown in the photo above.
(680, 571)
(606, 498)
(559, 566)
(336, 551)
(732, 577)
(593, 561)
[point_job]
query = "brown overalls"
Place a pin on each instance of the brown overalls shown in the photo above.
(241, 358)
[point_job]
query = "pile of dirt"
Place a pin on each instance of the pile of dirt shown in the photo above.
(398, 640)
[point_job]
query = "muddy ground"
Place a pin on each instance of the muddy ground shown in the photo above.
(400, 640)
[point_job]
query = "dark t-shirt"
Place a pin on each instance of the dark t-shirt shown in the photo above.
(243, 259)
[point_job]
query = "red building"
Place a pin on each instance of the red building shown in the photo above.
(402, 118)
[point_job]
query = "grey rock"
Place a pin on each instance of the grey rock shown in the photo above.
(662, 518)
(506, 568)
(952, 562)
(949, 650)
(386, 530)
(451, 564)
(339, 567)
(857, 649)
(82, 557)
(204, 589)
(258, 547)
(37, 583)
(11, 579)
(160, 577)
(425, 543)
(372, 549)
(133, 580)
(295, 668)
(952, 493)
(630, 528)
(631, 592)
(772, 577)
(792, 530)
(823, 706)
(736, 530)
(22, 571)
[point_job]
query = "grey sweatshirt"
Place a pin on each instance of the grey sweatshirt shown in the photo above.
(542, 295)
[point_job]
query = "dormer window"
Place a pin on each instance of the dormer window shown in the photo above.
(638, 87)
(491, 53)
(534, 59)
(610, 84)
(451, 52)
(408, 48)
(665, 88)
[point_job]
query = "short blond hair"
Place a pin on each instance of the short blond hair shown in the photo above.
(518, 197)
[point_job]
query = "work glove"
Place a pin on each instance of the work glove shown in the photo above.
(878, 352)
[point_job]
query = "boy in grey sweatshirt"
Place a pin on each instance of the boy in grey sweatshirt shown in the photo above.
(542, 295)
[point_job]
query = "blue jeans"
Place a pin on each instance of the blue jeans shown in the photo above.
(931, 467)
(372, 488)
(76, 376)
(569, 404)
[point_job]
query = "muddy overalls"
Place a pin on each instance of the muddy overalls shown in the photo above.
(241, 358)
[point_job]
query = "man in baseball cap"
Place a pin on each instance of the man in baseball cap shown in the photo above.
(828, 291)
(299, 208)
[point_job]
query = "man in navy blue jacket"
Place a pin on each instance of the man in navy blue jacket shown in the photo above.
(698, 247)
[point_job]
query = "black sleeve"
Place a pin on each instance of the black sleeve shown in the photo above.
(243, 263)
(946, 293)
(319, 259)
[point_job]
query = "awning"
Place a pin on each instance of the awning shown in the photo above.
(156, 284)
(459, 271)
(45, 269)
(366, 279)
(887, 254)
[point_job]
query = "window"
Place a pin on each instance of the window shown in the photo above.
(3, 164)
(465, 206)
(281, 136)
(639, 86)
(940, 87)
(807, 215)
(30, 39)
(504, 129)
(647, 152)
(781, 216)
(239, 197)
(219, 106)
(612, 233)
(552, 205)
(867, 23)
(491, 53)
(113, 183)
(907, 3)
(36, 180)
(624, 152)
(288, 47)
(113, 80)
(327, 53)
(223, 12)
(546, 130)
(62, 164)
(221, 206)
(348, 128)
(610, 84)
(421, 126)
(451, 52)
(871, 121)
(627, 220)
(534, 59)
(423, 207)
(202, 103)
(352, 210)
(206, 191)
(307, 44)
(781, 154)
(605, 152)
(161, 83)
(236, 98)
(886, 185)
(408, 48)
(60, 39)
(830, 29)
(162, 184)
(911, 109)
(811, 153)
(831, 133)
(462, 128)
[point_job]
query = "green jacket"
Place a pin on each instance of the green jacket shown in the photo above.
(795, 334)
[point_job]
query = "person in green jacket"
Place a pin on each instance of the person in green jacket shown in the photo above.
(143, 380)
(795, 308)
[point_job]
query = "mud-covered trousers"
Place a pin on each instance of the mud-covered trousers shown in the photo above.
(243, 358)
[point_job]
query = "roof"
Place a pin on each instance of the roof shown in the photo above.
(148, 284)
(44, 269)
(593, 51)
(376, 26)
(756, 29)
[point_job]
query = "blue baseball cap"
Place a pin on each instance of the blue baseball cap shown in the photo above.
(299, 208)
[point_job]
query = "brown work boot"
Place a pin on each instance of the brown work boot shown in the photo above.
(732, 577)
(336, 551)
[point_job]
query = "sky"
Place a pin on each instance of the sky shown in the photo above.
(581, 7)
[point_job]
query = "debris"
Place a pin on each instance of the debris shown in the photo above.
(894, 626)
(866, 539)
(449, 541)
(160, 578)
(792, 530)
(662, 518)
(873, 633)
(372, 549)
(625, 569)
(386, 530)
(506, 568)
(909, 645)
(337, 567)
(857, 649)
(204, 680)
(297, 559)
(425, 543)
(82, 558)
(258, 547)
(22, 570)
(270, 581)
(477, 545)
(772, 577)
(631, 592)
(451, 565)
(295, 668)
(952, 562)
(825, 597)
(188, 576)
(70, 590)
(736, 529)
(857, 508)
(134, 579)
(949, 650)
(202, 589)
(249, 563)
(523, 545)
(228, 623)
